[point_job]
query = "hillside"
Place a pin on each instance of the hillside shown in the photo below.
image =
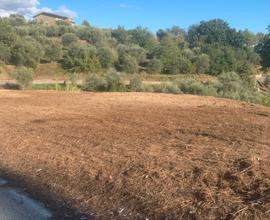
(138, 155)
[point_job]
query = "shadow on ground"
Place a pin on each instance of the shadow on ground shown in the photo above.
(33, 203)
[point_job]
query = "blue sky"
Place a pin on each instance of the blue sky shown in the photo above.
(154, 14)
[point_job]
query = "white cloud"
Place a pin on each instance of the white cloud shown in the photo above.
(63, 10)
(124, 6)
(28, 8)
(129, 6)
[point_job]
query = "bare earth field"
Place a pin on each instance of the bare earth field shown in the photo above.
(138, 156)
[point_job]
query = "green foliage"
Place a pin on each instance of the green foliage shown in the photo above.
(69, 38)
(114, 81)
(230, 84)
(86, 23)
(79, 59)
(154, 66)
(128, 64)
(138, 53)
(121, 35)
(211, 47)
(192, 87)
(135, 83)
(267, 81)
(27, 52)
(263, 48)
(23, 76)
(111, 82)
(106, 57)
(90, 34)
(95, 83)
(202, 63)
(7, 33)
(214, 31)
(53, 51)
(5, 53)
(143, 37)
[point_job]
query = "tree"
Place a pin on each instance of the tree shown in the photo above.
(79, 59)
(17, 20)
(143, 37)
(26, 52)
(69, 38)
(86, 23)
(175, 33)
(263, 48)
(213, 31)
(128, 64)
(90, 34)
(138, 53)
(53, 51)
(202, 63)
(7, 33)
(23, 76)
(4, 53)
(154, 66)
(106, 57)
(121, 35)
(230, 84)
(173, 59)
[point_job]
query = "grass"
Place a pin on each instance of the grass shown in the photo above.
(172, 78)
(55, 86)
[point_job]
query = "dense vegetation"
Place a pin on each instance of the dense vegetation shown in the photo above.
(210, 47)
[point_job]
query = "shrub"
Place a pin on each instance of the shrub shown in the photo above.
(94, 83)
(172, 88)
(267, 81)
(111, 82)
(147, 88)
(128, 64)
(135, 83)
(69, 38)
(160, 88)
(23, 76)
(114, 81)
(154, 66)
(105, 56)
(166, 88)
(230, 85)
(191, 86)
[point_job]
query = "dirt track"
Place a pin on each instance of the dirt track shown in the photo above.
(138, 156)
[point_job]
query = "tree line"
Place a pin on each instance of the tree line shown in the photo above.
(210, 47)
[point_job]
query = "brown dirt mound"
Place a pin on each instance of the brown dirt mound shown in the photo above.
(138, 156)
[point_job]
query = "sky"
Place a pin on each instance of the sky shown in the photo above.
(154, 14)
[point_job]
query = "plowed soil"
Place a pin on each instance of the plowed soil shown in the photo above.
(138, 156)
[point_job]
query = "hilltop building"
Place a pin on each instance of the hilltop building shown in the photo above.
(52, 19)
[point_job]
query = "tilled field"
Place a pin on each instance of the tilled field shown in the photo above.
(138, 156)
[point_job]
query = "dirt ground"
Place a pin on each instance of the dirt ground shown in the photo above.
(138, 156)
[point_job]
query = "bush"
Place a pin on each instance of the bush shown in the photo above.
(154, 66)
(230, 85)
(160, 88)
(191, 86)
(147, 88)
(128, 64)
(112, 82)
(69, 38)
(172, 88)
(106, 57)
(135, 83)
(23, 76)
(94, 83)
(267, 81)
(166, 88)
